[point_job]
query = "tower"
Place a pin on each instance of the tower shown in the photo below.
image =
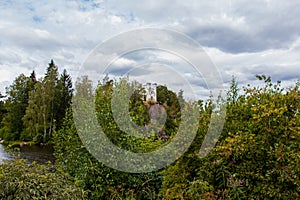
(151, 93)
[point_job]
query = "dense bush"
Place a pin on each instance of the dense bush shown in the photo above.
(257, 156)
(19, 180)
(98, 180)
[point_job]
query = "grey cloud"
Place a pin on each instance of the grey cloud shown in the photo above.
(282, 72)
(139, 72)
(118, 71)
(3, 85)
(233, 26)
(9, 56)
(241, 30)
(226, 39)
(29, 38)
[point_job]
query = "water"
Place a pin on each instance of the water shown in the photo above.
(4, 156)
(40, 154)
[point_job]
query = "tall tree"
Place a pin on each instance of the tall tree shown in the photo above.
(63, 97)
(48, 103)
(51, 95)
(2, 109)
(16, 103)
(172, 104)
(233, 92)
(35, 117)
(84, 87)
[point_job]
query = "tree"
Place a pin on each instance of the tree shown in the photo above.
(256, 157)
(2, 109)
(35, 118)
(48, 102)
(16, 103)
(101, 181)
(51, 96)
(64, 97)
(84, 87)
(232, 93)
(172, 103)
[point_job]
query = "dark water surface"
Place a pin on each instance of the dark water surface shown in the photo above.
(40, 154)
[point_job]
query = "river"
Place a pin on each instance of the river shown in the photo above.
(4, 155)
(40, 154)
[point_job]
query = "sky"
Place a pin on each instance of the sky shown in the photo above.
(242, 38)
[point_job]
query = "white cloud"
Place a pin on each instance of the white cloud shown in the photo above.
(115, 19)
(123, 62)
(243, 38)
(280, 64)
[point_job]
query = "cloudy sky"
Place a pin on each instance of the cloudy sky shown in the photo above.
(242, 38)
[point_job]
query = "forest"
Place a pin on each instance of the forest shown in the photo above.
(257, 155)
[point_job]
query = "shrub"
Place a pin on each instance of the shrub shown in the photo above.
(19, 180)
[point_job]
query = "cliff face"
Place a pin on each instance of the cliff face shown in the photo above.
(158, 117)
(158, 114)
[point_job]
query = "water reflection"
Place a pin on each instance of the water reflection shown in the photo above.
(40, 154)
(4, 156)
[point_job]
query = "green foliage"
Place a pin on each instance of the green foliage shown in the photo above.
(15, 105)
(232, 94)
(97, 179)
(35, 120)
(179, 178)
(64, 97)
(138, 114)
(2, 110)
(257, 156)
(47, 105)
(173, 104)
(34, 108)
(19, 180)
(138, 111)
(83, 87)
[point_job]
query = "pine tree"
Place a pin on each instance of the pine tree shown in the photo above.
(233, 92)
(51, 95)
(2, 109)
(83, 87)
(65, 93)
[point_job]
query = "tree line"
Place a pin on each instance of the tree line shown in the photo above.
(33, 108)
(256, 156)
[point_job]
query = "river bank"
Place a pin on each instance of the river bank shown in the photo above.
(39, 153)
